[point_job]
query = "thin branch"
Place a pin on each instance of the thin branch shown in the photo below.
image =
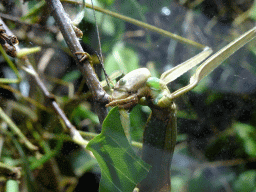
(86, 135)
(18, 20)
(101, 98)
(226, 163)
(26, 66)
(16, 130)
(10, 172)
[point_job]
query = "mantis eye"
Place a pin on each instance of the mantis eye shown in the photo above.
(122, 82)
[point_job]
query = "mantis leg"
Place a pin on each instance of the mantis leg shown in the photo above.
(125, 103)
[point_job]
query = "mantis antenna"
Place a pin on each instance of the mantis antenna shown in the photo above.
(100, 57)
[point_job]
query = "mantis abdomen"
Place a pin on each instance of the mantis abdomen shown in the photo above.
(158, 146)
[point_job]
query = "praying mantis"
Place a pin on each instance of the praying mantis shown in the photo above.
(160, 132)
(138, 87)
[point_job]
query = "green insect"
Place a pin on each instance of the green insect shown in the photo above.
(160, 132)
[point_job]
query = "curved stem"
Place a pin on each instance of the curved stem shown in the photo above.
(142, 24)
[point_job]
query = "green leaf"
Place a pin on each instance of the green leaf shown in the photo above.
(246, 182)
(199, 178)
(108, 25)
(82, 112)
(34, 10)
(79, 17)
(121, 168)
(252, 13)
(107, 2)
(81, 162)
(247, 134)
(122, 58)
(72, 76)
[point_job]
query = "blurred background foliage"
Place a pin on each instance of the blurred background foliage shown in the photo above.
(216, 148)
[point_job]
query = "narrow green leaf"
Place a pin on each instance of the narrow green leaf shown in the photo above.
(121, 168)
(122, 58)
(16, 130)
(34, 11)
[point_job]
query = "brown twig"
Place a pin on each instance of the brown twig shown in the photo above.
(101, 98)
(18, 20)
